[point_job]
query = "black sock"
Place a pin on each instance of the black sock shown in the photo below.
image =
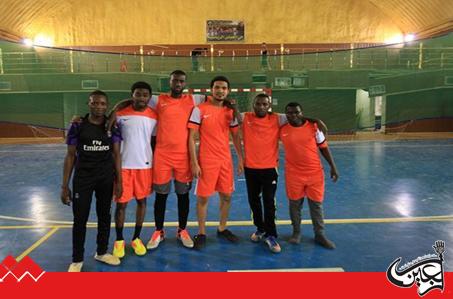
(138, 230)
(183, 209)
(159, 210)
(119, 233)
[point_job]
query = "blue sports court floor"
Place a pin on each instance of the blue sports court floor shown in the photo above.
(393, 199)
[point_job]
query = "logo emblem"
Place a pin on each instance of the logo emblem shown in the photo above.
(426, 272)
(10, 268)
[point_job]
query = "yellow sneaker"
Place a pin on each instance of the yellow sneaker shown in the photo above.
(138, 246)
(118, 249)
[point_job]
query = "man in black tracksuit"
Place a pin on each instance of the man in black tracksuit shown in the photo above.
(94, 155)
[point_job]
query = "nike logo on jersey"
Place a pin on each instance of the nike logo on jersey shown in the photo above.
(206, 116)
(284, 135)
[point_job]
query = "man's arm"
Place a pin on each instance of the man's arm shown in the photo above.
(238, 147)
(68, 166)
(232, 104)
(117, 160)
(334, 175)
(194, 166)
(118, 106)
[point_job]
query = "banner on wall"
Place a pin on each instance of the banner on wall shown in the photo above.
(224, 30)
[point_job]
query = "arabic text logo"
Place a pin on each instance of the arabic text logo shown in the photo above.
(426, 272)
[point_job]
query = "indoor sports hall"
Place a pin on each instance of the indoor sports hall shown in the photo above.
(378, 73)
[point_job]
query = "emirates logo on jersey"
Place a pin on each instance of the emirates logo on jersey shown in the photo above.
(96, 147)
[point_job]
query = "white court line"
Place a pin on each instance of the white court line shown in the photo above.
(446, 218)
(335, 269)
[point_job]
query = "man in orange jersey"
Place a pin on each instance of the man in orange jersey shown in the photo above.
(171, 156)
(213, 120)
(136, 124)
(260, 130)
(304, 173)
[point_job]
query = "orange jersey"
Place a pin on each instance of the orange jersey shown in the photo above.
(260, 137)
(172, 133)
(213, 124)
(301, 148)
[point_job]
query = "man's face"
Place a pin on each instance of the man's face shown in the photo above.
(177, 84)
(294, 115)
(220, 90)
(140, 98)
(261, 106)
(98, 105)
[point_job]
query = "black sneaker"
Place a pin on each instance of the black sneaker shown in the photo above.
(228, 235)
(324, 242)
(199, 241)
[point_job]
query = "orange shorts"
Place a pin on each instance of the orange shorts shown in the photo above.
(311, 186)
(215, 178)
(167, 166)
(136, 184)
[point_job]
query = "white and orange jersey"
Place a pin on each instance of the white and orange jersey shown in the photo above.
(214, 124)
(260, 137)
(301, 148)
(172, 132)
(136, 128)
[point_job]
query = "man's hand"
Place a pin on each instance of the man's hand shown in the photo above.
(66, 195)
(334, 174)
(196, 170)
(76, 119)
(118, 191)
(240, 167)
(231, 104)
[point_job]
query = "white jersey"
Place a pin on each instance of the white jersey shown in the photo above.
(136, 128)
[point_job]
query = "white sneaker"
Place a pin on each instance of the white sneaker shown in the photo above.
(75, 267)
(108, 259)
(257, 236)
(184, 236)
(157, 237)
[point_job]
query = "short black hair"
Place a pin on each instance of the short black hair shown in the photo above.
(178, 73)
(98, 92)
(294, 105)
(142, 85)
(220, 78)
(261, 95)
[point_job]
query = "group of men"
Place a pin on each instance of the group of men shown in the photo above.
(150, 140)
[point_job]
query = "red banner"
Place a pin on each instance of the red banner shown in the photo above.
(213, 285)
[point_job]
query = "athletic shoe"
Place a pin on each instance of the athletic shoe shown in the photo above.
(295, 238)
(118, 248)
(138, 247)
(199, 241)
(157, 237)
(272, 244)
(228, 235)
(257, 236)
(75, 267)
(184, 237)
(324, 242)
(108, 259)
